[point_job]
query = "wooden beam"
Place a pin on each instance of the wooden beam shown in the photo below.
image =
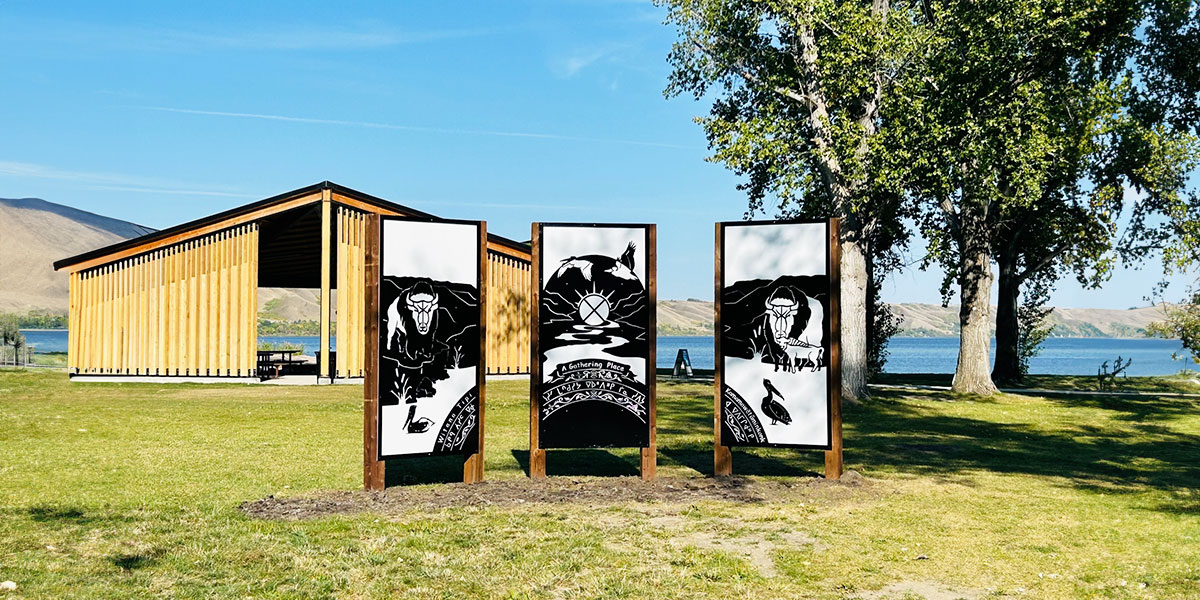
(343, 275)
(833, 457)
(650, 453)
(223, 304)
(473, 466)
(205, 291)
(537, 455)
(161, 337)
(139, 312)
(374, 470)
(722, 455)
(358, 286)
(323, 361)
(252, 318)
(505, 250)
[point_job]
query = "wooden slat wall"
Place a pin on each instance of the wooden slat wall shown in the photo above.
(188, 310)
(507, 303)
(508, 314)
(351, 275)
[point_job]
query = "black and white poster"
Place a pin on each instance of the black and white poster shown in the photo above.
(594, 336)
(429, 329)
(775, 334)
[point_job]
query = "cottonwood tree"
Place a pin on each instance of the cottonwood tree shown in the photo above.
(1059, 235)
(1169, 96)
(800, 89)
(1027, 144)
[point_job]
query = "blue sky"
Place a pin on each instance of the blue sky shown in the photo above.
(511, 112)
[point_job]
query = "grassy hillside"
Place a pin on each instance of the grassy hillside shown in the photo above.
(189, 491)
(37, 233)
(694, 317)
(933, 320)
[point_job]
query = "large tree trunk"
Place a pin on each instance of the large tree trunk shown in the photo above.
(854, 319)
(1008, 327)
(975, 285)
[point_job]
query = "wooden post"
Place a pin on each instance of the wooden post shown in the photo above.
(650, 453)
(722, 455)
(326, 229)
(833, 456)
(473, 467)
(373, 468)
(537, 455)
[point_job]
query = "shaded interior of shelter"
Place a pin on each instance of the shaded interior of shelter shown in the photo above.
(289, 256)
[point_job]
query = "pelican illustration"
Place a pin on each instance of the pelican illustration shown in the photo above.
(772, 408)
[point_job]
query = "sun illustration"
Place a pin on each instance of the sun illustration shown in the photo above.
(593, 309)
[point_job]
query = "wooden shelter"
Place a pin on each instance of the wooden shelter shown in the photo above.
(183, 302)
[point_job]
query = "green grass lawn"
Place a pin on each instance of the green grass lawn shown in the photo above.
(133, 490)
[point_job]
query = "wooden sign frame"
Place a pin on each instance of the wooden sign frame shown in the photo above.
(722, 454)
(374, 465)
(537, 454)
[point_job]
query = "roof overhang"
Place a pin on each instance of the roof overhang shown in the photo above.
(259, 210)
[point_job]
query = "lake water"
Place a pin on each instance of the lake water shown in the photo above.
(1060, 356)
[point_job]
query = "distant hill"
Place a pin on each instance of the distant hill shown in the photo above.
(694, 317)
(685, 317)
(34, 233)
(934, 320)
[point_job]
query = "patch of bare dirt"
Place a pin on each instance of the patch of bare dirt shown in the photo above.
(927, 590)
(755, 546)
(591, 491)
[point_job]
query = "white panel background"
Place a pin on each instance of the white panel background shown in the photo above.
(442, 251)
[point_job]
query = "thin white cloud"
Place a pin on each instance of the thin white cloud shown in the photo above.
(273, 37)
(182, 192)
(581, 58)
(307, 39)
(397, 127)
(114, 181)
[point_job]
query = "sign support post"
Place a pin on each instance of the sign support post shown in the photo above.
(537, 455)
(473, 466)
(650, 453)
(722, 456)
(833, 456)
(374, 470)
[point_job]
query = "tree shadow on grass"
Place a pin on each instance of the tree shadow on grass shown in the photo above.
(768, 462)
(1135, 409)
(65, 515)
(894, 434)
(603, 462)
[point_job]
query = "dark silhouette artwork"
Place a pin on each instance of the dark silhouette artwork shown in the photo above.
(429, 338)
(594, 337)
(775, 337)
(772, 408)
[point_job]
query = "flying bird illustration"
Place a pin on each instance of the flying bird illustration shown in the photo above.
(622, 267)
(773, 409)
